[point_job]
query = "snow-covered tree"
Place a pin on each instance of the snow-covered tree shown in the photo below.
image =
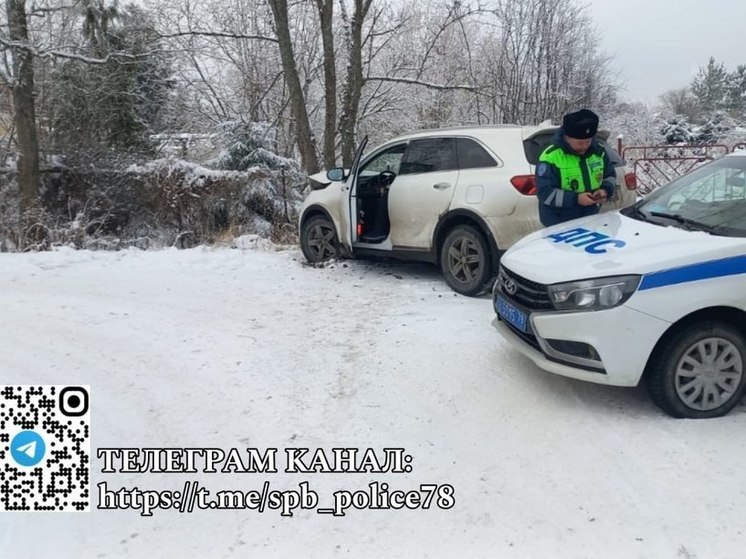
(715, 129)
(249, 144)
(678, 130)
(636, 123)
(736, 92)
(112, 105)
(710, 85)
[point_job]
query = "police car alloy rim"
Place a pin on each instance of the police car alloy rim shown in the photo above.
(708, 374)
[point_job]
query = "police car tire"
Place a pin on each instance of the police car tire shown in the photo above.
(480, 282)
(661, 372)
(308, 236)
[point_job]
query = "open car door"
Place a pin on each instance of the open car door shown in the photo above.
(347, 212)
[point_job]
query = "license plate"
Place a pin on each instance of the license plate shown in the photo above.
(512, 315)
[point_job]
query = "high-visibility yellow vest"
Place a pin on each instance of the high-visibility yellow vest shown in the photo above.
(571, 166)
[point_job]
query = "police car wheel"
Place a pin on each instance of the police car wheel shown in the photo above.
(318, 239)
(465, 261)
(699, 371)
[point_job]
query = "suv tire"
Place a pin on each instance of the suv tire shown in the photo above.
(699, 370)
(318, 239)
(465, 260)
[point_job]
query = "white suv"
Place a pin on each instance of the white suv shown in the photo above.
(455, 197)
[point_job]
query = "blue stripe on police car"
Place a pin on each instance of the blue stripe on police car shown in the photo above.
(695, 272)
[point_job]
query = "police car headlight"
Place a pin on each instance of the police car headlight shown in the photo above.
(593, 295)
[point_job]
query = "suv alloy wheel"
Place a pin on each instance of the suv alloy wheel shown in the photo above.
(465, 260)
(318, 240)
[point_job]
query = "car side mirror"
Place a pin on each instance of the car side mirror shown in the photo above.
(336, 174)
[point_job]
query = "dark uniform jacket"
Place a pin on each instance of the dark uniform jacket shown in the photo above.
(557, 205)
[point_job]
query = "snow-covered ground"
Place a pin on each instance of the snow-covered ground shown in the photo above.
(219, 347)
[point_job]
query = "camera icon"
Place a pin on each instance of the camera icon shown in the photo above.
(73, 401)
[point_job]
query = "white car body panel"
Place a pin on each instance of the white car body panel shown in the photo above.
(413, 201)
(509, 214)
(623, 368)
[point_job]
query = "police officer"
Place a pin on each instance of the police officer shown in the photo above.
(574, 175)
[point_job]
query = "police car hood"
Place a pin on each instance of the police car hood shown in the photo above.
(611, 244)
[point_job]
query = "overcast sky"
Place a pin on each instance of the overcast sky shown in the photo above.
(659, 44)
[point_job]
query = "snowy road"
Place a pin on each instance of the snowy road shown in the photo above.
(249, 348)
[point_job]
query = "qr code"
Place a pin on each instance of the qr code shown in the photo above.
(44, 448)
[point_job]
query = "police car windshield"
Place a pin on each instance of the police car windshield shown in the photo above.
(711, 198)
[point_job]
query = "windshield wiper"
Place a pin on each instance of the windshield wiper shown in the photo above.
(635, 211)
(688, 222)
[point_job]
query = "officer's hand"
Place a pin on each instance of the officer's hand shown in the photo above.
(586, 199)
(600, 196)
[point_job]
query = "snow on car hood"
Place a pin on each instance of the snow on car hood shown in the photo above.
(612, 244)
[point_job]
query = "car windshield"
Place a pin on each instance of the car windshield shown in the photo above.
(712, 198)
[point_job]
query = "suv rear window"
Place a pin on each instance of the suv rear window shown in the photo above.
(537, 144)
(428, 156)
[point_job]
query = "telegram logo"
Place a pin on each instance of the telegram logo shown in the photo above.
(27, 448)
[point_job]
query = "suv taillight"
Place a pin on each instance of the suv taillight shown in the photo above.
(630, 179)
(525, 184)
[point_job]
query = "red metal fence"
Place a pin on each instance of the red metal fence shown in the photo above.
(655, 166)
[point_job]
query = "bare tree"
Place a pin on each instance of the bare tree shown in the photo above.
(326, 13)
(24, 107)
(681, 102)
(545, 61)
(306, 144)
(354, 82)
(96, 19)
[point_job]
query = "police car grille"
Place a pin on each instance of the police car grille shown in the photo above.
(534, 296)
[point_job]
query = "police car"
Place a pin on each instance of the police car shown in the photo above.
(656, 291)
